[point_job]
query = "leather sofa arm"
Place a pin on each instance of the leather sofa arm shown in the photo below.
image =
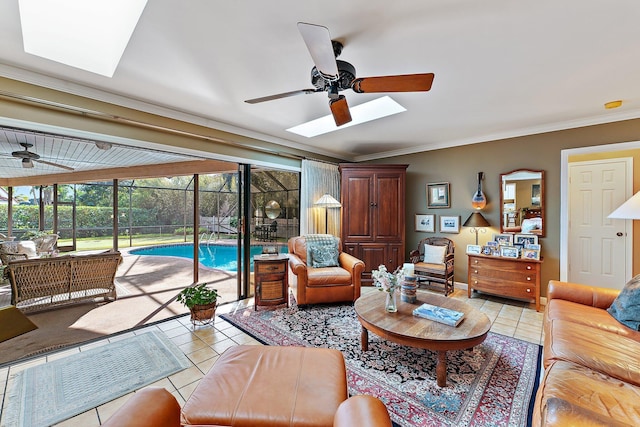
(298, 267)
(581, 294)
(362, 411)
(149, 407)
(351, 263)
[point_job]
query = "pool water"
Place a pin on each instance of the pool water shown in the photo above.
(223, 257)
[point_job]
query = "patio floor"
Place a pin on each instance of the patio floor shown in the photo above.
(147, 287)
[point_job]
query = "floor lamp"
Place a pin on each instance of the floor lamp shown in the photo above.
(326, 202)
(477, 222)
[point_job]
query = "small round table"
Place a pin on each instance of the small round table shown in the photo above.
(404, 328)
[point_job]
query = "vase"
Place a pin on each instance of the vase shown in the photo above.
(390, 305)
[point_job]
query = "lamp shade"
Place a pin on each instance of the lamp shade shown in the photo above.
(476, 220)
(628, 210)
(327, 201)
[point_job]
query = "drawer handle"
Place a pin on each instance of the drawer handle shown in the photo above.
(475, 261)
(528, 290)
(475, 282)
(273, 268)
(475, 271)
(529, 279)
(528, 267)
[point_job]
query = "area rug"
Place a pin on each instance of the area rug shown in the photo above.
(52, 392)
(492, 385)
(13, 323)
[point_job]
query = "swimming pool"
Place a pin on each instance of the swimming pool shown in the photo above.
(223, 257)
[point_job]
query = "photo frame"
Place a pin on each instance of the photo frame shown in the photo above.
(449, 224)
(531, 254)
(509, 252)
(503, 239)
(426, 223)
(438, 195)
(474, 249)
(526, 239)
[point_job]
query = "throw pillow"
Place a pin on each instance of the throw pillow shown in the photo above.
(626, 307)
(434, 254)
(324, 256)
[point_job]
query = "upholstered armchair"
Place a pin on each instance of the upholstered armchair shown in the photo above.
(434, 262)
(322, 275)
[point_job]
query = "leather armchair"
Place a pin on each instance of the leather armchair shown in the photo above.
(325, 284)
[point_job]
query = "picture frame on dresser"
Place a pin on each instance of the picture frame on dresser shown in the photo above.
(509, 252)
(505, 239)
(531, 254)
(438, 195)
(426, 223)
(526, 239)
(474, 249)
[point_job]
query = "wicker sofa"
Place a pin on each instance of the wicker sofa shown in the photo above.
(37, 284)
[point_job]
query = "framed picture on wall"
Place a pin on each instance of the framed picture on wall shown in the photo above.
(438, 195)
(426, 223)
(449, 224)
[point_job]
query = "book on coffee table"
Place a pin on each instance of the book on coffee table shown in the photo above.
(439, 314)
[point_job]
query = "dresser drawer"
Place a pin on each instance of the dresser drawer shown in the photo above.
(504, 287)
(502, 264)
(514, 276)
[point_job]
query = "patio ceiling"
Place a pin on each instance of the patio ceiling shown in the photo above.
(58, 154)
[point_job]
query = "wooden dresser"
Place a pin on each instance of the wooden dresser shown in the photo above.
(505, 277)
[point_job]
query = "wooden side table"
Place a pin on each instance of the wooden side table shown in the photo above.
(271, 279)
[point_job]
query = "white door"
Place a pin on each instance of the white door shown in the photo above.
(599, 249)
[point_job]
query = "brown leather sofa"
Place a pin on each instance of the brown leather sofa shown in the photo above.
(325, 284)
(591, 361)
(255, 385)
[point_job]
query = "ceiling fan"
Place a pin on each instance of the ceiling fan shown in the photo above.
(29, 157)
(332, 76)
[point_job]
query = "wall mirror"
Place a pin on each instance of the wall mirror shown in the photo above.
(522, 202)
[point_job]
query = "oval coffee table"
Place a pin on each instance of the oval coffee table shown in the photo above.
(404, 328)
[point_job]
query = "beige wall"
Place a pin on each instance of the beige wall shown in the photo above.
(460, 166)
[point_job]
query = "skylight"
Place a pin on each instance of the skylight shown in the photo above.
(87, 34)
(372, 110)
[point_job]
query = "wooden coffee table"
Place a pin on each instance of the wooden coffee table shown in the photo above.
(404, 328)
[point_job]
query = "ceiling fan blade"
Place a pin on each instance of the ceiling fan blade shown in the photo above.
(318, 42)
(340, 110)
(281, 95)
(53, 164)
(401, 83)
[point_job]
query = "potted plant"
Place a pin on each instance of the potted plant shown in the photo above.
(201, 302)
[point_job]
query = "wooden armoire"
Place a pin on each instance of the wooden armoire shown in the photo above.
(373, 214)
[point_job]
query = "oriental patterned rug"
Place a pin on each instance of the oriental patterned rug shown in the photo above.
(492, 385)
(46, 394)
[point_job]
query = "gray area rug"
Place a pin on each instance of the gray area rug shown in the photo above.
(52, 392)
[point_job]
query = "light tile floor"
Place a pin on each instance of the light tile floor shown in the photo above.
(204, 345)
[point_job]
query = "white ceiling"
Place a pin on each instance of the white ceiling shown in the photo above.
(502, 68)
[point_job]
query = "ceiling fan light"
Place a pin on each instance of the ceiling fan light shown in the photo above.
(27, 163)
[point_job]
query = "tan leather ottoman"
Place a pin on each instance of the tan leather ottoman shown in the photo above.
(269, 386)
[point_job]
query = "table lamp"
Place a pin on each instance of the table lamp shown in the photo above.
(327, 201)
(477, 222)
